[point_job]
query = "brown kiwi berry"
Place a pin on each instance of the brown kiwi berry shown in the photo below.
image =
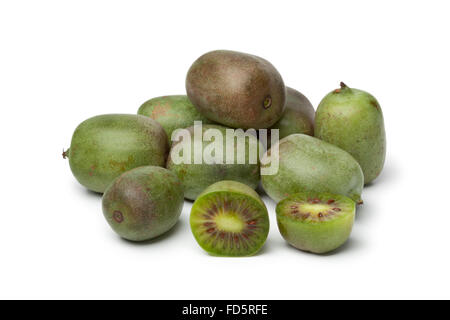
(143, 203)
(236, 89)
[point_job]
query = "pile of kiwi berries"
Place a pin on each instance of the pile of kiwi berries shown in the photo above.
(323, 160)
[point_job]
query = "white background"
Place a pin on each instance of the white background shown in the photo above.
(62, 62)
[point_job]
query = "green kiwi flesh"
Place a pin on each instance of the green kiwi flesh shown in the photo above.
(229, 219)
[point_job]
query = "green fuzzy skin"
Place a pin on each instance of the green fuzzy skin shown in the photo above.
(352, 120)
(106, 146)
(314, 235)
(172, 112)
(309, 164)
(196, 177)
(240, 196)
(236, 89)
(143, 203)
(298, 117)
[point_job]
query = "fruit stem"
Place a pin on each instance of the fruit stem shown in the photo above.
(343, 85)
(65, 154)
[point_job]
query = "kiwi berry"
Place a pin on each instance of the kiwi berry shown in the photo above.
(143, 203)
(316, 222)
(229, 219)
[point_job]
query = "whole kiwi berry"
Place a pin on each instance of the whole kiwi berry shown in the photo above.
(306, 163)
(172, 112)
(236, 89)
(298, 116)
(105, 146)
(316, 222)
(143, 203)
(195, 177)
(352, 120)
(229, 219)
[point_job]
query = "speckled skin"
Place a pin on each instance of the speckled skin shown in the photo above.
(106, 146)
(172, 112)
(315, 235)
(309, 164)
(236, 89)
(143, 203)
(352, 119)
(239, 197)
(196, 177)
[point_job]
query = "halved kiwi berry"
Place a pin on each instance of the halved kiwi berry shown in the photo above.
(229, 219)
(316, 222)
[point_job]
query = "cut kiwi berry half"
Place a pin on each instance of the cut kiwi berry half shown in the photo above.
(316, 222)
(229, 219)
